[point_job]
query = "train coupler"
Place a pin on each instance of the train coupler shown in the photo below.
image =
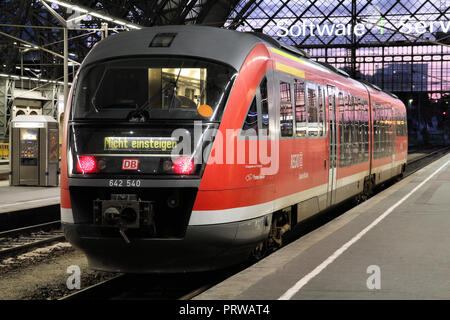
(124, 211)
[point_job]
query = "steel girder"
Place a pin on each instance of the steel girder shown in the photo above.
(15, 13)
(350, 51)
(384, 53)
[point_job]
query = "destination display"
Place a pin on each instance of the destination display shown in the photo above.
(156, 144)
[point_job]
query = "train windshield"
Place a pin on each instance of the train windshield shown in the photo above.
(153, 88)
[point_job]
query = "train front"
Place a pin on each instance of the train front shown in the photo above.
(136, 124)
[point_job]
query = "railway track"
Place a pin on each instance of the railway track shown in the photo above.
(187, 286)
(24, 239)
(152, 287)
(422, 161)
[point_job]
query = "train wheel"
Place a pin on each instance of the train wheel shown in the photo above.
(281, 223)
(260, 251)
(400, 176)
(367, 190)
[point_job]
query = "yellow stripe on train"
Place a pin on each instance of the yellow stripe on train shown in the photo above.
(288, 69)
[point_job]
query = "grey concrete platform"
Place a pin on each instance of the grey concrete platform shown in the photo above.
(398, 240)
(15, 198)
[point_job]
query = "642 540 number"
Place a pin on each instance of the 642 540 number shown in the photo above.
(128, 183)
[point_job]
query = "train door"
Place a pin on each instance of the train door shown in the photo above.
(394, 131)
(371, 131)
(332, 138)
(286, 123)
(393, 119)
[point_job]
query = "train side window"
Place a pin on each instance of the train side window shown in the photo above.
(390, 123)
(286, 113)
(404, 125)
(264, 105)
(250, 127)
(352, 154)
(355, 149)
(301, 121)
(397, 123)
(341, 130)
(362, 126)
(376, 130)
(359, 132)
(351, 130)
(401, 123)
(388, 129)
(312, 112)
(387, 135)
(346, 130)
(355, 138)
(321, 112)
(366, 130)
(382, 131)
(257, 120)
(385, 130)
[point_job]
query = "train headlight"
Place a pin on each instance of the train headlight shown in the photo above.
(167, 166)
(87, 164)
(101, 164)
(183, 165)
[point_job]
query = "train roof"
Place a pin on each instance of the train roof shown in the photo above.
(223, 45)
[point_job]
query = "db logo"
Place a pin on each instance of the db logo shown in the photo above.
(130, 164)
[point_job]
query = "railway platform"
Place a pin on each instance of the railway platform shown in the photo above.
(392, 246)
(23, 206)
(14, 198)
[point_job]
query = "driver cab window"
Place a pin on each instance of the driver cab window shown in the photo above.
(250, 126)
(257, 118)
(176, 87)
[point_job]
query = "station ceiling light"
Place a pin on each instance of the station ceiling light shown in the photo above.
(15, 77)
(29, 69)
(95, 14)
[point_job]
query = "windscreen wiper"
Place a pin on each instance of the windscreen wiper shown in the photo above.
(96, 91)
(133, 115)
(175, 87)
(147, 102)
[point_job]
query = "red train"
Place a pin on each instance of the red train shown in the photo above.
(268, 138)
